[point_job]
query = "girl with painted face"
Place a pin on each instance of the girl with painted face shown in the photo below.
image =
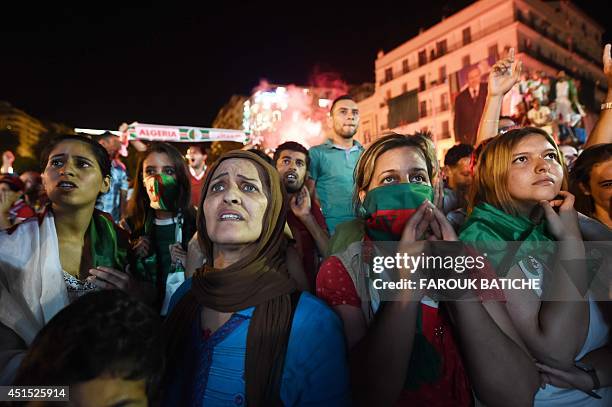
(240, 332)
(521, 173)
(161, 219)
(404, 351)
(68, 251)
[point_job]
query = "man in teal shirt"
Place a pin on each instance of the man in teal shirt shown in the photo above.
(333, 162)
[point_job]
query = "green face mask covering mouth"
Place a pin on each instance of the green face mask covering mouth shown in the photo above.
(163, 191)
(388, 208)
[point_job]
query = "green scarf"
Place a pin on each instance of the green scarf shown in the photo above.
(387, 210)
(488, 229)
(163, 191)
(108, 245)
(150, 268)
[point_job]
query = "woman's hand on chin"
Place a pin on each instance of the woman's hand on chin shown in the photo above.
(561, 217)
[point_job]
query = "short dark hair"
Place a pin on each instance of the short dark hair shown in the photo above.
(456, 153)
(200, 147)
(339, 98)
(102, 333)
(292, 146)
(99, 152)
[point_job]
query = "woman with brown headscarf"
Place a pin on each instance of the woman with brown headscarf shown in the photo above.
(242, 332)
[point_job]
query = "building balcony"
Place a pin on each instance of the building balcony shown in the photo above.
(451, 48)
(545, 29)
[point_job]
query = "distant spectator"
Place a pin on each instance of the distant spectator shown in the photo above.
(569, 155)
(34, 193)
(8, 158)
(457, 171)
(506, 123)
(13, 208)
(535, 87)
(196, 158)
(565, 95)
(115, 200)
(540, 116)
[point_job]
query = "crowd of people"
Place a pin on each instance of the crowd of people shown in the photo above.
(249, 280)
(551, 104)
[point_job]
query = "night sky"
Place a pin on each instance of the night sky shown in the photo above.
(97, 65)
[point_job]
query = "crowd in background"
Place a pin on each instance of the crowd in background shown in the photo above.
(245, 281)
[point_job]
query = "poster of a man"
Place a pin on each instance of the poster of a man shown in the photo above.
(469, 105)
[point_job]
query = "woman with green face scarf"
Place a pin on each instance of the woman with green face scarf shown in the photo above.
(161, 219)
(404, 351)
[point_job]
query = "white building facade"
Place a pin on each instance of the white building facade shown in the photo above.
(416, 82)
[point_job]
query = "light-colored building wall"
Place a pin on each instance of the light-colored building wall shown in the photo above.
(494, 26)
(27, 128)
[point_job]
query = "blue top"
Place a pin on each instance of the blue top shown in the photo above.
(315, 371)
(332, 169)
(110, 202)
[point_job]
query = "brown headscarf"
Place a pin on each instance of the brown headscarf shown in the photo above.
(260, 279)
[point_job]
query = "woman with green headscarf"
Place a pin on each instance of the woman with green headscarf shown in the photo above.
(520, 195)
(161, 220)
(240, 332)
(403, 348)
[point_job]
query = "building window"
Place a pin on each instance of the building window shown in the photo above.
(442, 74)
(445, 129)
(422, 85)
(465, 61)
(441, 48)
(404, 88)
(405, 68)
(444, 105)
(467, 36)
(422, 58)
(388, 74)
(423, 108)
(493, 52)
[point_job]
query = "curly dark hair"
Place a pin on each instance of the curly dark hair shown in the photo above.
(102, 333)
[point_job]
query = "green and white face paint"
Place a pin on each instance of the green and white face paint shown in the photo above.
(163, 191)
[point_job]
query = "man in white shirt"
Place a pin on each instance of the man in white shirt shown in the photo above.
(540, 116)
